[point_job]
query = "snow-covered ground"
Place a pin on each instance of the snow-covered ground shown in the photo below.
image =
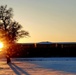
(38, 66)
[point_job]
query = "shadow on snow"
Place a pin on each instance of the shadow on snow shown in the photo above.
(17, 69)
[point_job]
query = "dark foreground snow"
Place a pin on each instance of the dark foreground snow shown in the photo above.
(38, 66)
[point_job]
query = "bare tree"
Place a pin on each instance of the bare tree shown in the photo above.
(10, 31)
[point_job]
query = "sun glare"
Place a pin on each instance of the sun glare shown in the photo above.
(1, 46)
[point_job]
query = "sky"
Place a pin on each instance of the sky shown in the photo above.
(45, 20)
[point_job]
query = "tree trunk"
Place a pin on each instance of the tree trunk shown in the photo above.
(8, 59)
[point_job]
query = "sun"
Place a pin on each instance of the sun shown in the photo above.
(1, 46)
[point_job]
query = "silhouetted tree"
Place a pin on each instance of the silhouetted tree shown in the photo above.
(10, 31)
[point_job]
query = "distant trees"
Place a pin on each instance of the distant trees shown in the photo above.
(10, 31)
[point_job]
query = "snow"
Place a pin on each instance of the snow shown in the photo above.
(38, 66)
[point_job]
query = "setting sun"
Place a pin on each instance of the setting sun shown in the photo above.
(1, 45)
